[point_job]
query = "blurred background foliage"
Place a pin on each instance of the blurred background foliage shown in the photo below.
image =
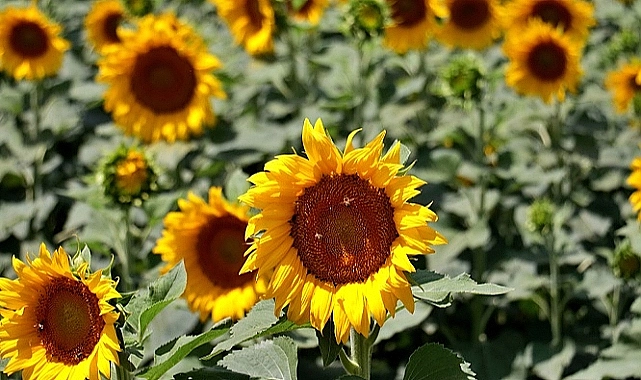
(530, 195)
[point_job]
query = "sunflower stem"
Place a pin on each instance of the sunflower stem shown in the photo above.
(35, 189)
(125, 257)
(555, 309)
(614, 312)
(361, 354)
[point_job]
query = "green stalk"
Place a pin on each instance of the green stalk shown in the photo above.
(614, 312)
(555, 308)
(479, 258)
(125, 253)
(35, 189)
(361, 352)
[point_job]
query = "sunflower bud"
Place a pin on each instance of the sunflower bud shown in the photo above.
(541, 216)
(367, 18)
(464, 79)
(139, 7)
(626, 263)
(128, 176)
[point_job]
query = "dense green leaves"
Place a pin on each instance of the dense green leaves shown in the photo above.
(435, 362)
(271, 359)
(437, 289)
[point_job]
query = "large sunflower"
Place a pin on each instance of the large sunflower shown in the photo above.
(543, 62)
(210, 238)
(160, 80)
(634, 180)
(625, 84)
(471, 24)
(574, 17)
(252, 23)
(101, 23)
(57, 323)
(413, 23)
(30, 44)
(311, 10)
(336, 230)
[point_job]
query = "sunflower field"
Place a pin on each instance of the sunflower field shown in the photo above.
(320, 189)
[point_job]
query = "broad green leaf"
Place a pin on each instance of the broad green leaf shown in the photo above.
(260, 318)
(617, 362)
(435, 362)
(436, 290)
(236, 184)
(403, 321)
(180, 349)
(272, 359)
(327, 343)
(298, 4)
(211, 373)
(146, 304)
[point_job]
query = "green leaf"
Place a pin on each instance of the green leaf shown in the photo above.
(260, 318)
(436, 290)
(298, 4)
(435, 362)
(327, 343)
(146, 304)
(272, 359)
(181, 348)
(212, 373)
(236, 184)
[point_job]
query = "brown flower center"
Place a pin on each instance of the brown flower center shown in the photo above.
(29, 39)
(469, 14)
(221, 245)
(547, 61)
(407, 13)
(553, 13)
(254, 14)
(68, 320)
(163, 80)
(110, 27)
(343, 229)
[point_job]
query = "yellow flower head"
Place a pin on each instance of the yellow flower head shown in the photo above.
(30, 44)
(56, 322)
(127, 176)
(543, 62)
(252, 23)
(471, 24)
(335, 231)
(634, 180)
(574, 17)
(101, 23)
(624, 84)
(160, 80)
(413, 23)
(311, 10)
(210, 238)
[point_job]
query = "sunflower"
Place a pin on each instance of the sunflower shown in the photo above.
(574, 17)
(102, 22)
(252, 23)
(543, 61)
(471, 24)
(335, 231)
(625, 84)
(634, 180)
(310, 11)
(210, 238)
(30, 44)
(413, 23)
(56, 322)
(159, 80)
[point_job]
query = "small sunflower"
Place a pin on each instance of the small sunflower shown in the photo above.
(57, 322)
(102, 21)
(574, 17)
(128, 176)
(310, 11)
(634, 180)
(335, 231)
(543, 62)
(252, 23)
(210, 238)
(625, 84)
(30, 44)
(413, 23)
(472, 24)
(160, 80)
